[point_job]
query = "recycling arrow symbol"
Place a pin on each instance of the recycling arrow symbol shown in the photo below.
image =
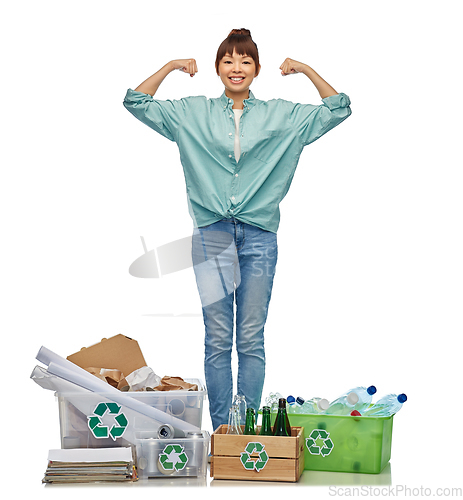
(249, 464)
(319, 443)
(97, 427)
(173, 457)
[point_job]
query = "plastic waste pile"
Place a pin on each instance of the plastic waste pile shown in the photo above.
(356, 402)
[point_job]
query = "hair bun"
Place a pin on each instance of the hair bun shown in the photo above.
(241, 31)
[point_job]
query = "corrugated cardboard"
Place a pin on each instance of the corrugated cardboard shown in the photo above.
(119, 352)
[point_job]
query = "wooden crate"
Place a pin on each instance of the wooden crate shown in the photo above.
(232, 457)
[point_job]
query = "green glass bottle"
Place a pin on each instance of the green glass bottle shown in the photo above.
(282, 426)
(250, 426)
(266, 429)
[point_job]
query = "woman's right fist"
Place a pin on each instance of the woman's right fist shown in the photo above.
(185, 65)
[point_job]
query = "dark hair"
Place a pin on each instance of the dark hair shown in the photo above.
(240, 41)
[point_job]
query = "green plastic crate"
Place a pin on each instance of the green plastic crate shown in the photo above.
(344, 443)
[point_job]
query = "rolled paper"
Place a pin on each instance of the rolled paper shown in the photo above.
(86, 401)
(69, 371)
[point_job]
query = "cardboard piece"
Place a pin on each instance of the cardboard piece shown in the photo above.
(118, 352)
(175, 384)
(112, 377)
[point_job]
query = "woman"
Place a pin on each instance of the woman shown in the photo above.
(239, 155)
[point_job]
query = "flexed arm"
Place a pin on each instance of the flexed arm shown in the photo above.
(290, 67)
(151, 84)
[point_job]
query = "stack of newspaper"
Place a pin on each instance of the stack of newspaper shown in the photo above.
(86, 465)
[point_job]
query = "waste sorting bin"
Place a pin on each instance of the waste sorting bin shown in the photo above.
(94, 420)
(344, 443)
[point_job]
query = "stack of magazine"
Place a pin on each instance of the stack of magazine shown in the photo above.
(86, 465)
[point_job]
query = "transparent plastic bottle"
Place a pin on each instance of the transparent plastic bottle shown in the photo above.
(386, 406)
(365, 395)
(343, 405)
(291, 406)
(315, 405)
(272, 401)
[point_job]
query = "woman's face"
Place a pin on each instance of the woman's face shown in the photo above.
(237, 71)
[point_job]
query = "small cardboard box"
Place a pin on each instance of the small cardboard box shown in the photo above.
(257, 458)
(119, 352)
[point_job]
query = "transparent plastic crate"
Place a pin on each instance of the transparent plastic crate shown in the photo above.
(182, 457)
(92, 420)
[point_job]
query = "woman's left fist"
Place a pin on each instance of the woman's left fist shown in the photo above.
(290, 67)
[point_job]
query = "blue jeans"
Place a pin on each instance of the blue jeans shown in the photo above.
(234, 263)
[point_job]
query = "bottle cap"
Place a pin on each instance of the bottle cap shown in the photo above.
(300, 401)
(323, 404)
(290, 399)
(371, 390)
(352, 398)
(355, 413)
(402, 398)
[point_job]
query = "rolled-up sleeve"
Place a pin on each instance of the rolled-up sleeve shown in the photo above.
(311, 122)
(164, 117)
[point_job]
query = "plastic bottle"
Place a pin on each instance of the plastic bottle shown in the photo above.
(386, 406)
(365, 395)
(343, 405)
(314, 406)
(292, 406)
(272, 401)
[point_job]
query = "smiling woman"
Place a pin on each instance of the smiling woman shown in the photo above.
(239, 155)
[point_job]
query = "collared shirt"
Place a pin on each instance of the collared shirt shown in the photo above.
(272, 136)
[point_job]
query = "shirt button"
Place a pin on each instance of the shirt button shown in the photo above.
(233, 198)
(236, 175)
(230, 116)
(229, 156)
(231, 134)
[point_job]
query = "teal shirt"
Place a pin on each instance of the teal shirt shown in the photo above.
(272, 136)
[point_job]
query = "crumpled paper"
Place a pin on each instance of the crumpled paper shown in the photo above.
(141, 379)
(175, 384)
(112, 376)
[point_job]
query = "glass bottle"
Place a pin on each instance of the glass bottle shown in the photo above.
(250, 426)
(282, 426)
(233, 421)
(266, 429)
(240, 401)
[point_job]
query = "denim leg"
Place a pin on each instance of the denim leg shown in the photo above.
(215, 262)
(228, 254)
(218, 320)
(257, 260)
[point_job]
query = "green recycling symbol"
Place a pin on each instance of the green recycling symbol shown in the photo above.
(319, 443)
(173, 457)
(249, 464)
(100, 431)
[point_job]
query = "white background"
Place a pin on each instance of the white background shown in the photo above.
(369, 280)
